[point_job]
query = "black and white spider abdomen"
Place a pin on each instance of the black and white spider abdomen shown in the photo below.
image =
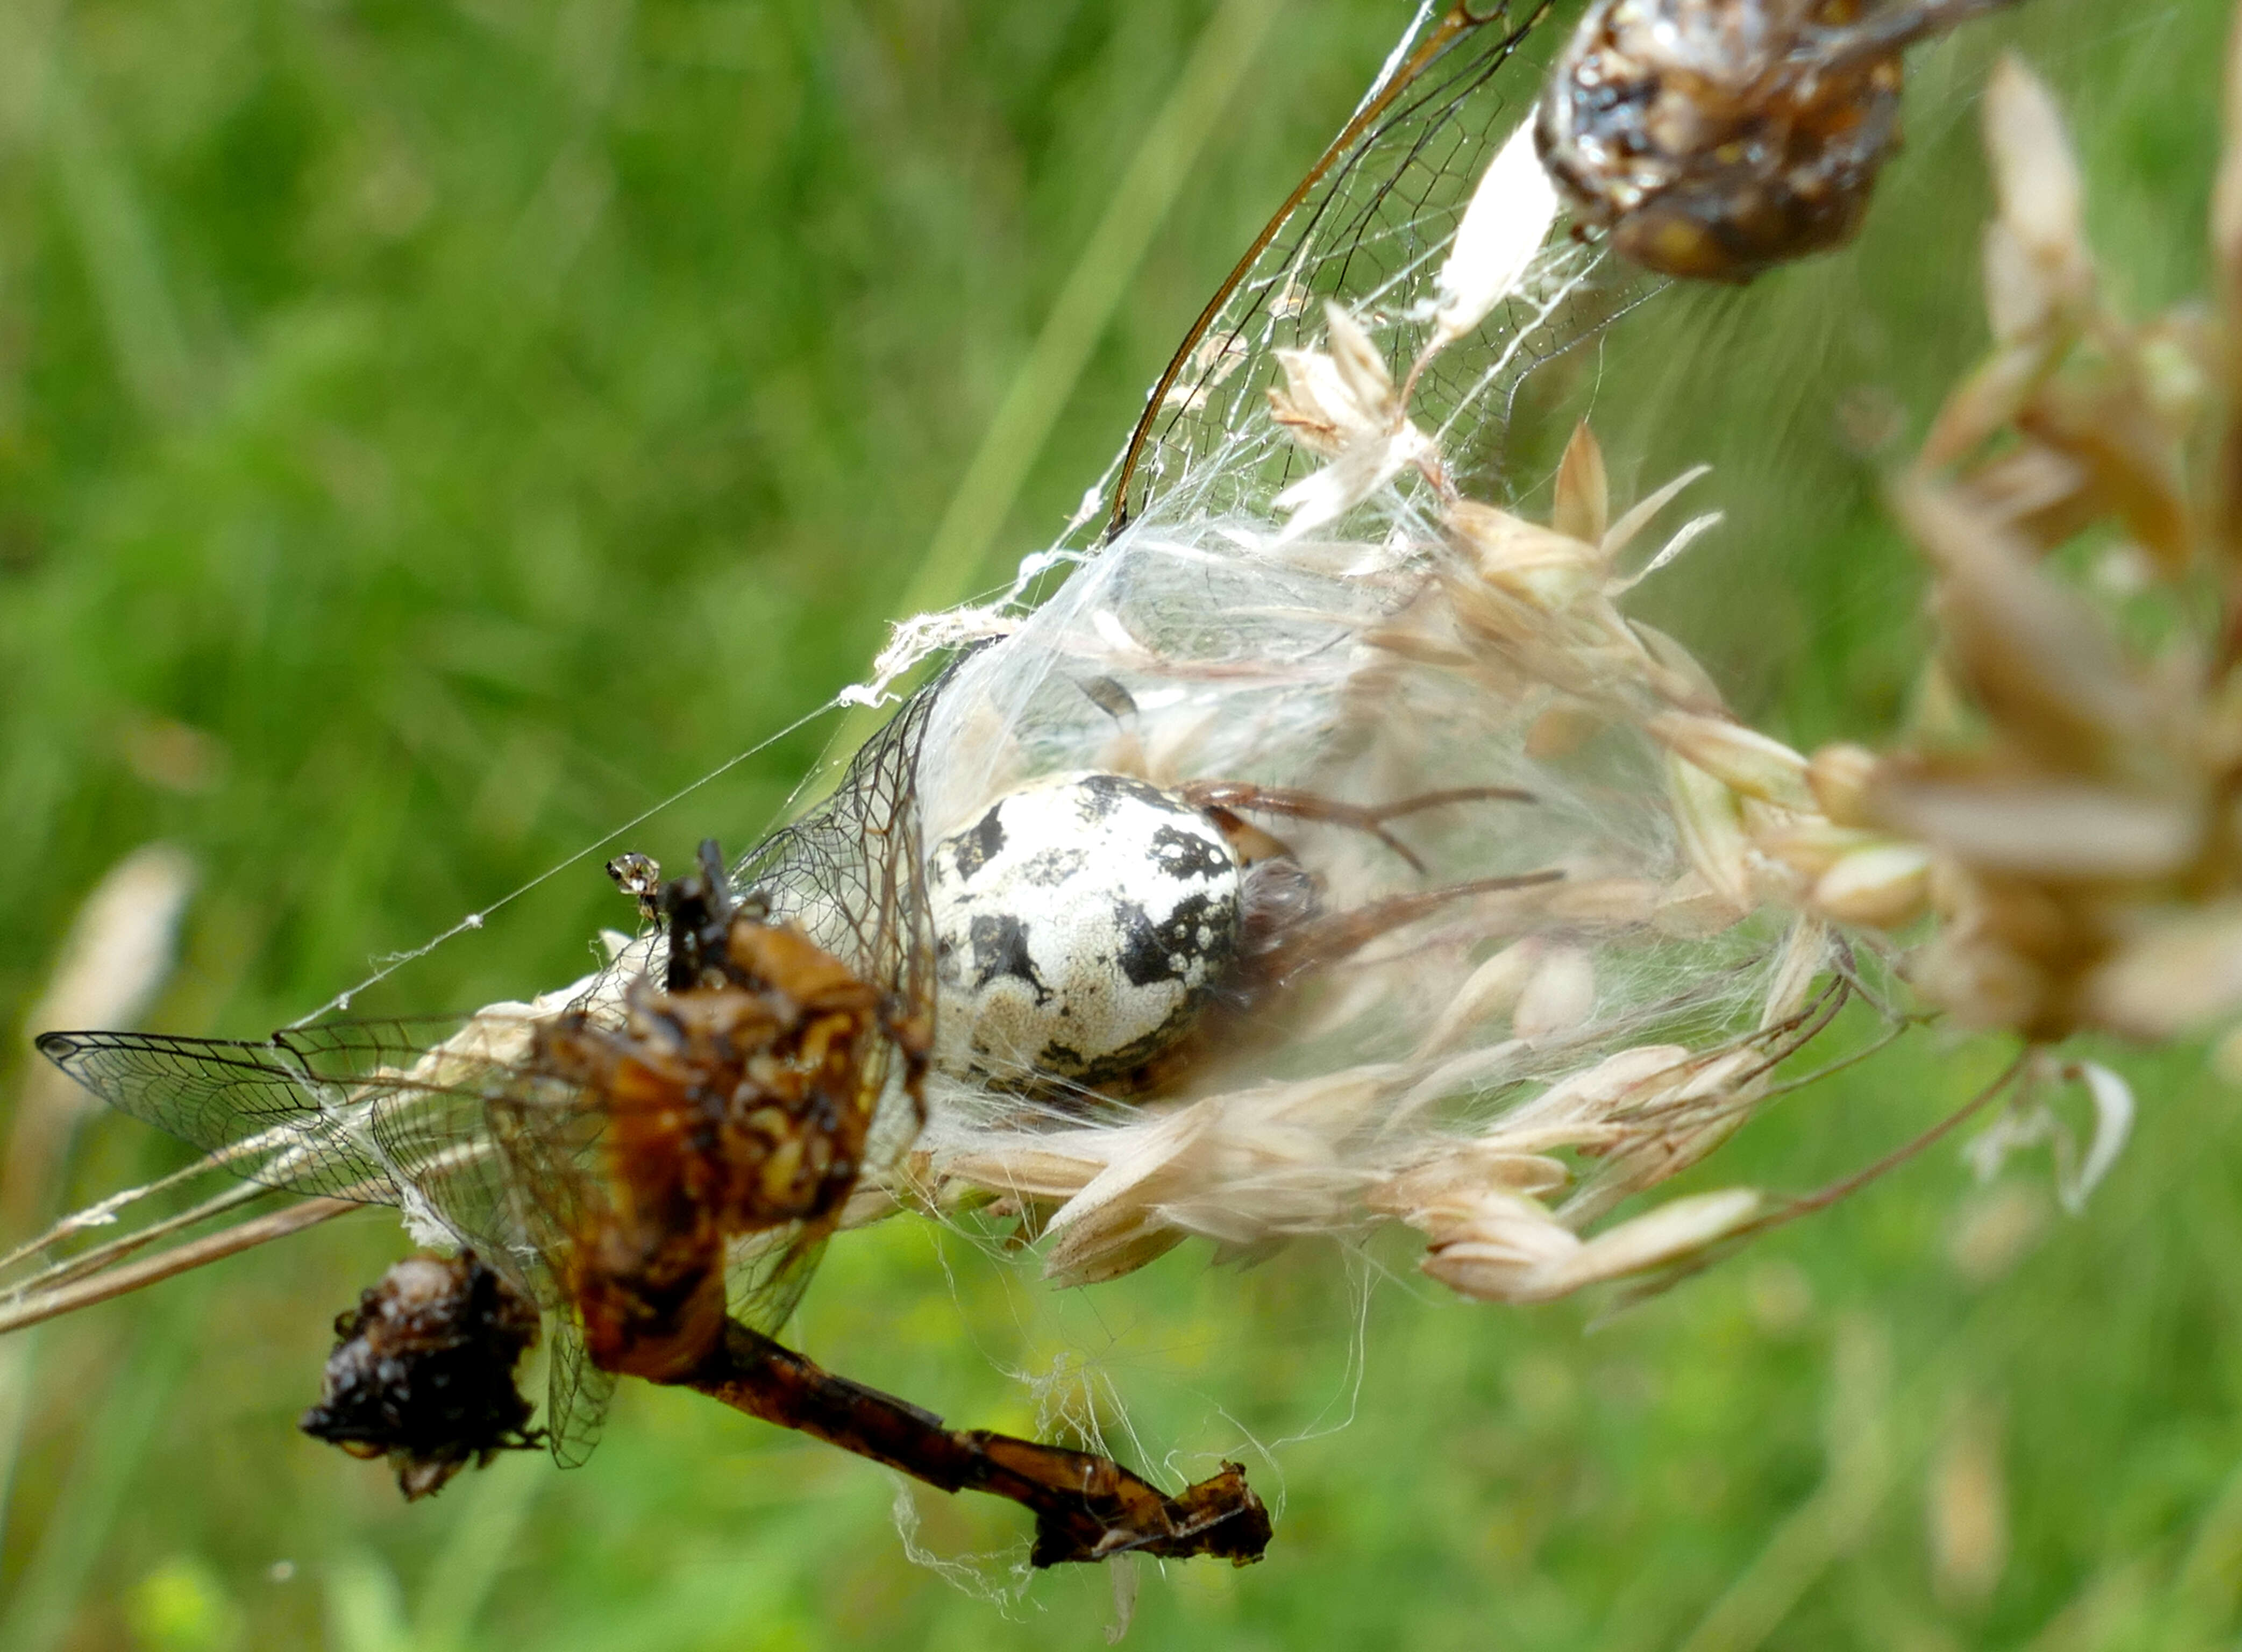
(1081, 924)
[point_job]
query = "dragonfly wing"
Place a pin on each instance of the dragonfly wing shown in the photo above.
(272, 1113)
(850, 872)
(767, 1273)
(848, 869)
(1368, 228)
(576, 1394)
(450, 1152)
(500, 1156)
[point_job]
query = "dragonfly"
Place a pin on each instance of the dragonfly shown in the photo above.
(655, 1157)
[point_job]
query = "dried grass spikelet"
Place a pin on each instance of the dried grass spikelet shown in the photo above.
(122, 947)
(1509, 1075)
(1341, 404)
(2057, 851)
(2072, 826)
(1507, 1072)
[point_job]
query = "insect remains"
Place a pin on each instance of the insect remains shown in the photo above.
(655, 1156)
(735, 1098)
(1717, 138)
(424, 1372)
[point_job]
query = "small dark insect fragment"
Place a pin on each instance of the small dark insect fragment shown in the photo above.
(640, 878)
(1717, 138)
(424, 1372)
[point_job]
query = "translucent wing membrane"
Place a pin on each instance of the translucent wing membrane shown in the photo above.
(847, 870)
(374, 1112)
(286, 1112)
(576, 1394)
(768, 1273)
(1367, 229)
(438, 1118)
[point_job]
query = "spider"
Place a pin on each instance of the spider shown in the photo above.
(1094, 930)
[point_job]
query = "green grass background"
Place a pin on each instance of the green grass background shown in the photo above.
(431, 434)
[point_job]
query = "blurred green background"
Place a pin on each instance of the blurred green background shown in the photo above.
(430, 434)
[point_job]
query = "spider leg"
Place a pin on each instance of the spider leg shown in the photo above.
(913, 1035)
(1223, 796)
(1319, 942)
(1087, 1507)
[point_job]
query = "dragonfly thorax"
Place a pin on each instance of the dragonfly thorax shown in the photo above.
(736, 1106)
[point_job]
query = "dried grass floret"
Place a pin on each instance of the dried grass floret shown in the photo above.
(1520, 1048)
(2069, 823)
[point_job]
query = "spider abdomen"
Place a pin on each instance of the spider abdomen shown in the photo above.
(1081, 924)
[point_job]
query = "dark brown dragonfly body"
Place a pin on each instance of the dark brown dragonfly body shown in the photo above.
(560, 1139)
(736, 1101)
